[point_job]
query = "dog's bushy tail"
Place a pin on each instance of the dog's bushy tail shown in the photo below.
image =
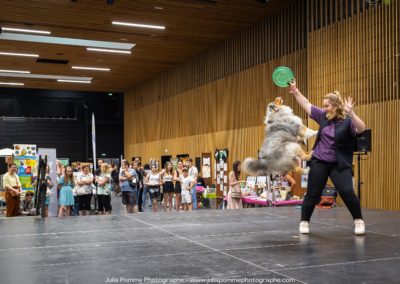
(255, 166)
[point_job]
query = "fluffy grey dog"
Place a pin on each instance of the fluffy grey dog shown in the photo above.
(281, 146)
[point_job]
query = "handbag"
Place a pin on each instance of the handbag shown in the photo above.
(235, 194)
(12, 192)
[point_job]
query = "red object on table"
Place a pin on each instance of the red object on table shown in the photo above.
(261, 201)
(287, 202)
(254, 200)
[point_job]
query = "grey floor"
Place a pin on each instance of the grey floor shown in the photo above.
(259, 245)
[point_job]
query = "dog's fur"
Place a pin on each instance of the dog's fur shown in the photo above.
(281, 147)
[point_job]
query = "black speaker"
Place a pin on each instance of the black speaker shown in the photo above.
(364, 141)
(198, 163)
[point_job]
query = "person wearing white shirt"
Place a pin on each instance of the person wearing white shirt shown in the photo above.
(187, 183)
(193, 173)
(85, 190)
(153, 182)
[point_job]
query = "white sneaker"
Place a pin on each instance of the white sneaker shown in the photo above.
(303, 227)
(359, 227)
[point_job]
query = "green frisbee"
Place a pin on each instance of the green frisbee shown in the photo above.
(282, 75)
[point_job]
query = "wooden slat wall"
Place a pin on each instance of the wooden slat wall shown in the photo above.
(225, 113)
(281, 34)
(359, 56)
(218, 98)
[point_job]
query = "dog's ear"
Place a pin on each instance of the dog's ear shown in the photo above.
(278, 101)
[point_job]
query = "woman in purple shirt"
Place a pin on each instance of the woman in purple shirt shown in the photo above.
(332, 154)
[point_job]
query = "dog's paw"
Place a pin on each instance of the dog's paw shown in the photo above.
(298, 170)
(310, 133)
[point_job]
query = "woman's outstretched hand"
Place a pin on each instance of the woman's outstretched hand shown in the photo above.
(348, 106)
(293, 89)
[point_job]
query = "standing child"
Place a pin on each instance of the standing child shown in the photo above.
(187, 183)
(66, 184)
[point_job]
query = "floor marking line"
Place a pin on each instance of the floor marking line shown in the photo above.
(148, 239)
(92, 231)
(214, 249)
(339, 226)
(116, 258)
(96, 244)
(340, 263)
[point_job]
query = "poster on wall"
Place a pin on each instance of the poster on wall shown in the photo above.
(25, 159)
(206, 171)
(63, 161)
(25, 150)
(52, 163)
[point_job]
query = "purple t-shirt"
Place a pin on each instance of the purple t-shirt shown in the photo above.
(325, 149)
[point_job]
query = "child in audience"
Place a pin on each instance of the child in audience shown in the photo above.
(187, 182)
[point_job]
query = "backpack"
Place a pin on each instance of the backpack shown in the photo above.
(328, 198)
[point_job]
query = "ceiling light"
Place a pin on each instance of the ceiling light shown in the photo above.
(138, 25)
(19, 54)
(90, 68)
(45, 76)
(158, 8)
(109, 50)
(73, 81)
(11, 84)
(25, 31)
(66, 41)
(15, 71)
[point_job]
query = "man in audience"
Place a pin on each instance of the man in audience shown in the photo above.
(193, 173)
(27, 207)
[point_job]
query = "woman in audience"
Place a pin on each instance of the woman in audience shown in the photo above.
(66, 184)
(13, 190)
(235, 193)
(153, 182)
(104, 190)
(178, 187)
(85, 190)
(168, 186)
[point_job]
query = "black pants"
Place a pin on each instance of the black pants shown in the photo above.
(84, 201)
(343, 182)
(140, 201)
(104, 202)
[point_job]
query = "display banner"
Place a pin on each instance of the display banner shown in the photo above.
(63, 161)
(25, 159)
(94, 141)
(51, 162)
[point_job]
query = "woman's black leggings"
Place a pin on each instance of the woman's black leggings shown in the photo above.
(343, 182)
